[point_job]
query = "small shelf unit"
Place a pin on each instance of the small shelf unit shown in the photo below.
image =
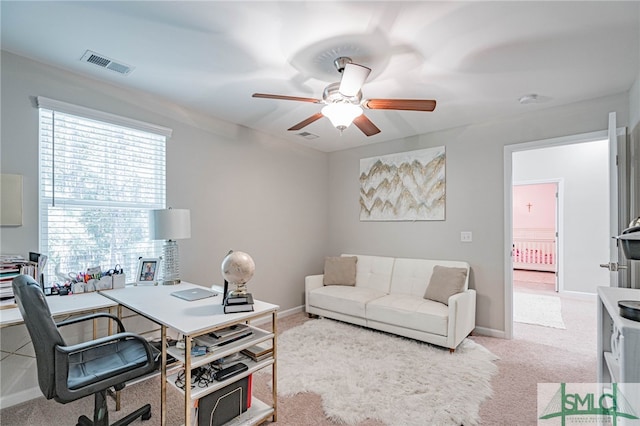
(618, 343)
(259, 411)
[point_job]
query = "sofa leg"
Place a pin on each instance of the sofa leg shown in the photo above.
(451, 350)
(313, 316)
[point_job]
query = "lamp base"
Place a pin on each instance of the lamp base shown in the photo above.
(170, 263)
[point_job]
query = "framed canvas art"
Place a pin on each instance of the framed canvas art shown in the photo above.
(406, 186)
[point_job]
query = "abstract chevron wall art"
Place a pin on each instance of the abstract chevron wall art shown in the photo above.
(407, 186)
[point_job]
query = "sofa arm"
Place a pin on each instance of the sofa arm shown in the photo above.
(311, 282)
(462, 316)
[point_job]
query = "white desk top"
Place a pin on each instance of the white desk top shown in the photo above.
(189, 318)
(62, 305)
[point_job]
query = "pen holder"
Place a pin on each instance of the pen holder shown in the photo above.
(104, 283)
(118, 280)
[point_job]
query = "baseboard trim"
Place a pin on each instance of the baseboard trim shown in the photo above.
(19, 397)
(281, 314)
(490, 332)
(579, 295)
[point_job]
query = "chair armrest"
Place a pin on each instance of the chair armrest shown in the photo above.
(462, 316)
(93, 316)
(80, 347)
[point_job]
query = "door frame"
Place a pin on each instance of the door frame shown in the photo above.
(508, 206)
(559, 211)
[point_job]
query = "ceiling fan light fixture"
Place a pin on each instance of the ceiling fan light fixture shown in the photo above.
(341, 114)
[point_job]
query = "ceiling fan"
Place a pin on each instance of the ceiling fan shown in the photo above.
(344, 104)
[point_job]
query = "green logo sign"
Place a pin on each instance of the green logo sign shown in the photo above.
(612, 404)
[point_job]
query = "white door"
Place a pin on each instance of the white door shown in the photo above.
(615, 204)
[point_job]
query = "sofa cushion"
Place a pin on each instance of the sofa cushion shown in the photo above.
(340, 270)
(374, 272)
(344, 299)
(445, 282)
(413, 312)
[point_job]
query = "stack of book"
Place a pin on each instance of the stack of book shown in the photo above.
(10, 267)
(220, 338)
(259, 351)
(238, 303)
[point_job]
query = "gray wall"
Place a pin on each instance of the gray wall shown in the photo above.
(475, 199)
(247, 191)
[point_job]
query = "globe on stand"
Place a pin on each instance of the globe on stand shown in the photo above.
(238, 268)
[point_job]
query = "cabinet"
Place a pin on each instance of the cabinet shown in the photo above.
(618, 341)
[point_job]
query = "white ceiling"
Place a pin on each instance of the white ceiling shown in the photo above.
(475, 58)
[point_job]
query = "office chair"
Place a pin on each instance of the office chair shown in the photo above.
(67, 373)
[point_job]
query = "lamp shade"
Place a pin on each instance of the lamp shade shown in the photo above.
(170, 224)
(341, 114)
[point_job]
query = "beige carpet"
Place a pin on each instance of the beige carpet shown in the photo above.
(535, 355)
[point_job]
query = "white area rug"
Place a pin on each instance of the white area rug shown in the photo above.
(537, 309)
(362, 374)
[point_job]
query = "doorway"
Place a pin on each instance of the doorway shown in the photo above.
(579, 167)
(535, 236)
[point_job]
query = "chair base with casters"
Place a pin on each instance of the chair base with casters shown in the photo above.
(100, 407)
(101, 412)
(70, 372)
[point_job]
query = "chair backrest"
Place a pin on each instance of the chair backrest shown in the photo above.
(42, 329)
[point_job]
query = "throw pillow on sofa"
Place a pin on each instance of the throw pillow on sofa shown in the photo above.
(444, 283)
(340, 270)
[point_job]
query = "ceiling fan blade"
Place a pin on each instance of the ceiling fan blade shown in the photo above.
(286, 98)
(307, 121)
(401, 104)
(353, 77)
(364, 124)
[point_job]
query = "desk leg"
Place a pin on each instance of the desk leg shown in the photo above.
(163, 377)
(110, 331)
(187, 380)
(274, 369)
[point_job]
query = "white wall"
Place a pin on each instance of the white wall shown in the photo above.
(583, 169)
(475, 196)
(246, 191)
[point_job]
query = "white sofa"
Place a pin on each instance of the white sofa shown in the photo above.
(388, 295)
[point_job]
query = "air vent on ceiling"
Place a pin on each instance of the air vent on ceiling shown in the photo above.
(104, 62)
(307, 135)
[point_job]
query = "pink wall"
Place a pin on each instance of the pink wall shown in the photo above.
(541, 213)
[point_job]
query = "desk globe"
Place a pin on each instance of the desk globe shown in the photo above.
(238, 268)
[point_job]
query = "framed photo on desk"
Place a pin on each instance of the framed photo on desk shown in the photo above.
(148, 269)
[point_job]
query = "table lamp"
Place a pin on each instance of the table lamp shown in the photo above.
(170, 225)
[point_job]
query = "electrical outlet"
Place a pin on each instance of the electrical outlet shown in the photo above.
(466, 236)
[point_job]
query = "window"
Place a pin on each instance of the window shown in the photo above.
(100, 174)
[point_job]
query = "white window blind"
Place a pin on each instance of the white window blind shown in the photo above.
(98, 181)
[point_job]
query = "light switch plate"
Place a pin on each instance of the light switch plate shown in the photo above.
(466, 236)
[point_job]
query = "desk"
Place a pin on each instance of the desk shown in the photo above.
(193, 319)
(74, 304)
